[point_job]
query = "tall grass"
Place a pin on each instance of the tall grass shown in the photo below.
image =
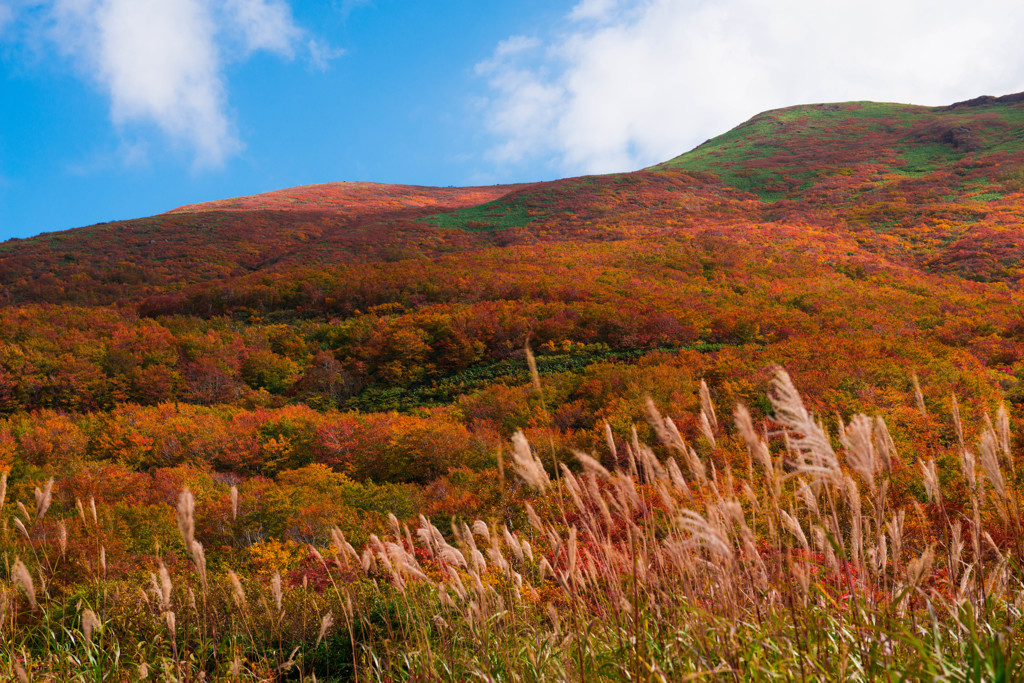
(797, 561)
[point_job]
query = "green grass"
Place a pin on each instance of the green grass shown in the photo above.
(501, 214)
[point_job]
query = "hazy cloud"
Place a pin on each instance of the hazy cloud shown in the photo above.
(629, 83)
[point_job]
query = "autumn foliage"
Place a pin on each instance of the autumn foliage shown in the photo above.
(336, 353)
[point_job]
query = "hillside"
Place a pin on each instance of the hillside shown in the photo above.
(334, 353)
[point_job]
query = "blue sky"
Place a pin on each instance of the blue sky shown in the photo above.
(113, 109)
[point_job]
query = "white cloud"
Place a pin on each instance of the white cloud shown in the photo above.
(321, 54)
(265, 25)
(162, 62)
(629, 83)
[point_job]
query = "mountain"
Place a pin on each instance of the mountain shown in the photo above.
(857, 244)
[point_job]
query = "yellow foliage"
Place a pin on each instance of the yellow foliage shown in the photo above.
(267, 557)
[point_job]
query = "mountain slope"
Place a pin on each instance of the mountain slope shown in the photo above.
(861, 222)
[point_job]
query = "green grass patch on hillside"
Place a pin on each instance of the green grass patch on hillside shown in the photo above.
(497, 215)
(924, 158)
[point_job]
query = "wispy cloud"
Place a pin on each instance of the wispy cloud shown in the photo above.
(628, 83)
(265, 25)
(322, 54)
(162, 62)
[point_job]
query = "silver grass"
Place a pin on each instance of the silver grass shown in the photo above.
(186, 517)
(165, 587)
(610, 440)
(237, 593)
(325, 624)
(591, 464)
(919, 397)
(513, 543)
(884, 445)
(755, 444)
(199, 560)
(275, 590)
(809, 498)
(534, 519)
(43, 500)
(527, 550)
(858, 440)
(794, 528)
(987, 447)
(90, 622)
(919, 568)
(930, 479)
(706, 429)
(22, 578)
(62, 537)
(704, 534)
(956, 550)
(805, 436)
(957, 424)
(528, 466)
(1002, 429)
(706, 406)
(895, 529)
(968, 466)
(531, 361)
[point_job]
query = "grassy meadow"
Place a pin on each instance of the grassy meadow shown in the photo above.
(794, 549)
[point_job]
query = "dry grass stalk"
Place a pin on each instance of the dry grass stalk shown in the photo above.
(755, 444)
(861, 456)
(23, 579)
(199, 561)
(706, 430)
(957, 424)
(237, 593)
(806, 437)
(90, 622)
(186, 517)
(706, 406)
(528, 466)
(325, 624)
(1003, 430)
(275, 590)
(930, 479)
(918, 396)
(987, 447)
(43, 500)
(62, 538)
(531, 361)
